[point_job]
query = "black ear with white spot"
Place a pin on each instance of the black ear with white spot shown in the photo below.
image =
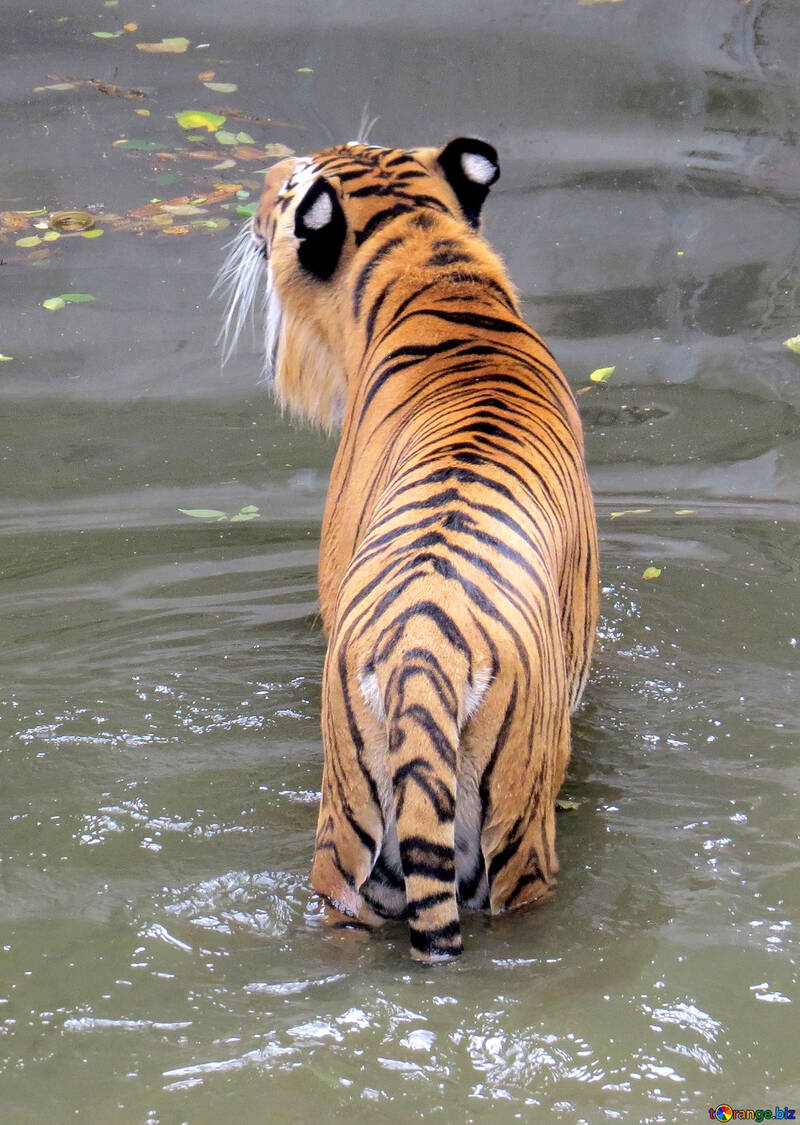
(320, 225)
(470, 167)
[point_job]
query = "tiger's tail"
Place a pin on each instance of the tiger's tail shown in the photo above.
(424, 710)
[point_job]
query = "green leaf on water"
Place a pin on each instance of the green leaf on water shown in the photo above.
(241, 517)
(140, 146)
(305, 70)
(247, 210)
(6, 358)
(244, 139)
(77, 298)
(54, 304)
(651, 572)
(28, 241)
(793, 343)
(243, 194)
(200, 119)
(106, 34)
(565, 804)
(222, 87)
(226, 138)
(602, 374)
(96, 232)
(250, 508)
(204, 513)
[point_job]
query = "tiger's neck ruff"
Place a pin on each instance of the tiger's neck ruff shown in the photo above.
(458, 562)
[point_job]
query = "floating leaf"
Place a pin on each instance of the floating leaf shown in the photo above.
(243, 194)
(31, 240)
(207, 75)
(226, 138)
(106, 34)
(250, 508)
(247, 152)
(142, 112)
(70, 222)
(139, 146)
(793, 344)
(278, 150)
(651, 572)
(6, 358)
(244, 139)
(175, 46)
(602, 374)
(247, 210)
(182, 209)
(200, 119)
(305, 70)
(130, 27)
(565, 804)
(55, 86)
(204, 513)
(77, 298)
(54, 303)
(243, 517)
(222, 87)
(223, 165)
(50, 236)
(685, 512)
(93, 233)
(630, 512)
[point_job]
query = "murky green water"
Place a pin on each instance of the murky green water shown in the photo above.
(160, 675)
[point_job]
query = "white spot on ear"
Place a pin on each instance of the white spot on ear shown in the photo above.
(477, 168)
(320, 213)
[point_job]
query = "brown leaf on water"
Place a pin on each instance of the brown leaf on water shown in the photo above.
(221, 192)
(176, 46)
(101, 87)
(175, 230)
(247, 152)
(13, 220)
(207, 75)
(240, 115)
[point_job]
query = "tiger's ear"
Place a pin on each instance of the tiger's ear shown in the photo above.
(470, 167)
(321, 228)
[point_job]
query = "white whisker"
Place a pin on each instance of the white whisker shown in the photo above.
(238, 282)
(273, 327)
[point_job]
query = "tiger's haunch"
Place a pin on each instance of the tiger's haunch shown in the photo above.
(458, 561)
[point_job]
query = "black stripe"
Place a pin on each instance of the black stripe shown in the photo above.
(367, 270)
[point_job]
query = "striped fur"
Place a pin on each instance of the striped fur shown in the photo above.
(458, 565)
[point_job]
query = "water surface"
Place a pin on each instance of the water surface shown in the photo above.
(160, 675)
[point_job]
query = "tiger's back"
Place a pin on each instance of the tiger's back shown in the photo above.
(458, 563)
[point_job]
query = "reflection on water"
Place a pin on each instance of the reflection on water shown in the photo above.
(162, 960)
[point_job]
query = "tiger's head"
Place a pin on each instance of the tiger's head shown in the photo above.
(312, 235)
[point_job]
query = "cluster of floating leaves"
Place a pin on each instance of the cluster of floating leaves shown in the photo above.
(217, 138)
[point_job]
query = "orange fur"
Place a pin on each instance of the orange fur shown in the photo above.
(458, 562)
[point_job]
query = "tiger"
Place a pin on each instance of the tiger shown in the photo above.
(458, 568)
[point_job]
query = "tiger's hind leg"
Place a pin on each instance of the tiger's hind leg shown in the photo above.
(527, 753)
(350, 826)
